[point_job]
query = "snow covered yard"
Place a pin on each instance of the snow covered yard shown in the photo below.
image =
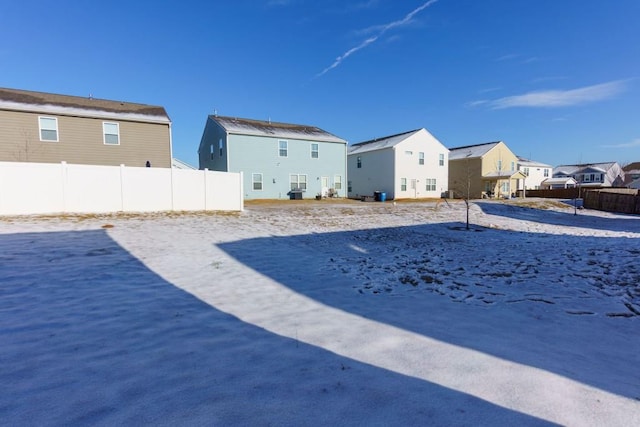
(318, 313)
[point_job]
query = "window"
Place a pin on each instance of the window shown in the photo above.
(220, 146)
(431, 184)
(256, 178)
(585, 177)
(111, 133)
(314, 151)
(48, 129)
(403, 184)
(546, 173)
(441, 160)
(359, 162)
(601, 177)
(409, 153)
(421, 158)
(212, 151)
(513, 166)
(283, 148)
(337, 182)
(499, 165)
(349, 187)
(413, 184)
(526, 171)
(298, 182)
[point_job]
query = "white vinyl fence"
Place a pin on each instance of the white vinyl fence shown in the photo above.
(42, 188)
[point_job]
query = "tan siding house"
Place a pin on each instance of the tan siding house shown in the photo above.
(49, 128)
(484, 170)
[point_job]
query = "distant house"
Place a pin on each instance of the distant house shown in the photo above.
(179, 164)
(49, 128)
(556, 183)
(631, 175)
(535, 173)
(278, 160)
(592, 175)
(483, 170)
(409, 165)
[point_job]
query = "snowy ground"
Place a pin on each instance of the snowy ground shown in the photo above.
(322, 313)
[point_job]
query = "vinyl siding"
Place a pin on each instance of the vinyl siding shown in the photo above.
(80, 141)
(257, 154)
(376, 173)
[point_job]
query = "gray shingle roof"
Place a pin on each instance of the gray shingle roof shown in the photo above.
(24, 100)
(471, 151)
(381, 143)
(275, 129)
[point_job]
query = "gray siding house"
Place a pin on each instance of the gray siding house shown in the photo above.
(275, 158)
(49, 128)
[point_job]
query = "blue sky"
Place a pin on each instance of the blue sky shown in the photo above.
(556, 80)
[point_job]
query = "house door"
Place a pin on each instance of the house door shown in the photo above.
(324, 183)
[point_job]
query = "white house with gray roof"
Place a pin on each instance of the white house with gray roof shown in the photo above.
(408, 165)
(278, 160)
(535, 173)
(593, 175)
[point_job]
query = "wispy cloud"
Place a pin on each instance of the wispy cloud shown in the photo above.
(632, 144)
(508, 57)
(560, 98)
(380, 30)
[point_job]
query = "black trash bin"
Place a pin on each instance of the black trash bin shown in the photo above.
(377, 195)
(295, 195)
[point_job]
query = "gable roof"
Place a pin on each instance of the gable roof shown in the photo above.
(632, 167)
(252, 127)
(583, 168)
(471, 151)
(50, 103)
(526, 162)
(381, 143)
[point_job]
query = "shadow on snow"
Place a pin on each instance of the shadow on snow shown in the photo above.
(89, 335)
(623, 223)
(529, 333)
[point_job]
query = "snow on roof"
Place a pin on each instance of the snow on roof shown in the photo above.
(471, 151)
(582, 168)
(179, 164)
(559, 180)
(531, 163)
(381, 143)
(274, 129)
(23, 100)
(502, 174)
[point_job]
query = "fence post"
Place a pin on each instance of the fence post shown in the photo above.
(206, 193)
(241, 192)
(63, 172)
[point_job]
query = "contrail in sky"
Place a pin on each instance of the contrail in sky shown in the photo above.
(370, 40)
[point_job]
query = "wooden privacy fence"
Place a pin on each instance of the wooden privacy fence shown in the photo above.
(613, 200)
(558, 193)
(44, 188)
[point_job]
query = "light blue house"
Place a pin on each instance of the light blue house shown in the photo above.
(278, 160)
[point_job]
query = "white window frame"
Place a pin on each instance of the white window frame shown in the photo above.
(284, 150)
(430, 184)
(441, 159)
(337, 182)
(104, 133)
(212, 151)
(316, 151)
(220, 146)
(421, 157)
(300, 181)
(254, 182)
(40, 128)
(403, 184)
(546, 173)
